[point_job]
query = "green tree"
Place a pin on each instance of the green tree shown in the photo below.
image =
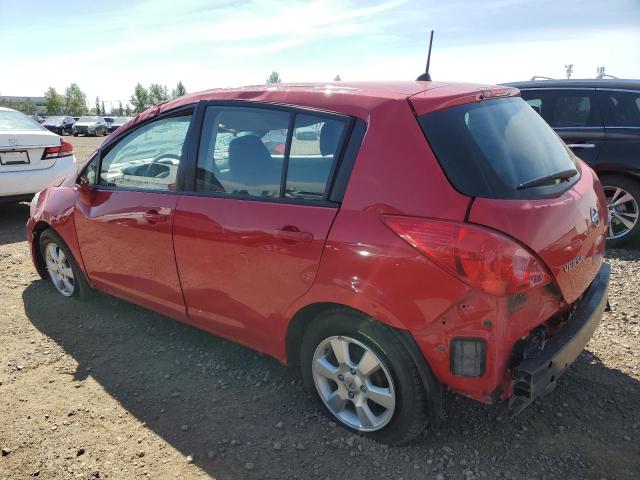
(76, 101)
(104, 112)
(53, 101)
(140, 99)
(274, 77)
(127, 110)
(98, 111)
(179, 91)
(120, 109)
(337, 78)
(158, 93)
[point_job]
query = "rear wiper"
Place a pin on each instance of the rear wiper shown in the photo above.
(538, 182)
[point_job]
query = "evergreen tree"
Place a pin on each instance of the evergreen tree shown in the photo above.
(140, 99)
(274, 78)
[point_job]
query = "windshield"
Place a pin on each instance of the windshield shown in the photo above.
(53, 120)
(489, 149)
(121, 120)
(12, 120)
(88, 119)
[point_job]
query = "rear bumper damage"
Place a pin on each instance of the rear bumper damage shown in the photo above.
(538, 376)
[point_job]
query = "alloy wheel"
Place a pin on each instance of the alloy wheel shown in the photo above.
(623, 211)
(353, 383)
(60, 270)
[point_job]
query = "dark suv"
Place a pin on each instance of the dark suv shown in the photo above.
(600, 121)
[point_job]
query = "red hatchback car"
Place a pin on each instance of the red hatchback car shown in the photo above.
(430, 235)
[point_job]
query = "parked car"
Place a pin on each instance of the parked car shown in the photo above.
(59, 124)
(117, 123)
(31, 157)
(600, 122)
(90, 125)
(459, 243)
(39, 119)
(306, 133)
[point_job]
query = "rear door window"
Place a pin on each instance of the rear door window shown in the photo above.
(249, 152)
(492, 148)
(620, 109)
(565, 108)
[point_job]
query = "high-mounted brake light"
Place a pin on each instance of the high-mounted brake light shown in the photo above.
(478, 256)
(64, 150)
(498, 92)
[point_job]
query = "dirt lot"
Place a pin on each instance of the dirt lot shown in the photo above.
(106, 389)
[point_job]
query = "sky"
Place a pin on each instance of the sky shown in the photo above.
(107, 47)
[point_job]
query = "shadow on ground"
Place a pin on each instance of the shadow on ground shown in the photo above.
(13, 218)
(168, 375)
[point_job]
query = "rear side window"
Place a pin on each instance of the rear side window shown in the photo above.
(565, 108)
(492, 148)
(244, 152)
(620, 109)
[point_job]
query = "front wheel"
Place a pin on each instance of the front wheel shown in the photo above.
(363, 376)
(623, 198)
(64, 272)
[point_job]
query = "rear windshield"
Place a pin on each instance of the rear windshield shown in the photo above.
(490, 149)
(12, 120)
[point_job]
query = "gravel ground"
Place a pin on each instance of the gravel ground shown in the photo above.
(106, 389)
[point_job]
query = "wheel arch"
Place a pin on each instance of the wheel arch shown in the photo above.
(305, 316)
(38, 261)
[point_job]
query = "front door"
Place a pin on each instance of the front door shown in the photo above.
(125, 225)
(248, 240)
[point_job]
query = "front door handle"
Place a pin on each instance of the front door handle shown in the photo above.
(293, 234)
(152, 216)
(581, 145)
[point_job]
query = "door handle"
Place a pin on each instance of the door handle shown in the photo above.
(152, 216)
(292, 234)
(581, 145)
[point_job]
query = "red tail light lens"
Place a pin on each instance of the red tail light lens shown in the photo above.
(479, 256)
(64, 150)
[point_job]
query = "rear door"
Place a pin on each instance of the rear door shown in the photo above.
(125, 226)
(574, 114)
(249, 237)
(621, 114)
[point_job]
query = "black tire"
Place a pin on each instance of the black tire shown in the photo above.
(411, 411)
(633, 188)
(82, 290)
(75, 134)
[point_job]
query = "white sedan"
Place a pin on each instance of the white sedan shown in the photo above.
(31, 157)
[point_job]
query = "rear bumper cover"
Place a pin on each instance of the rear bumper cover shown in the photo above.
(537, 376)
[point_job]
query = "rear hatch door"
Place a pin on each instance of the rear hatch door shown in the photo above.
(524, 182)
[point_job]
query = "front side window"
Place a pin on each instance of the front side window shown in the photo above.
(148, 157)
(243, 152)
(620, 109)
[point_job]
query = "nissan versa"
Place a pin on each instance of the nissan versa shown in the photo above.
(432, 236)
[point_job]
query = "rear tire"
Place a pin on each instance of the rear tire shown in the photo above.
(377, 390)
(75, 134)
(64, 273)
(623, 199)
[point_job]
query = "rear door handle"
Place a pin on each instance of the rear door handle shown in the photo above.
(152, 216)
(293, 235)
(581, 145)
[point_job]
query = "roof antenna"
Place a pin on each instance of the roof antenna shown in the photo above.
(426, 77)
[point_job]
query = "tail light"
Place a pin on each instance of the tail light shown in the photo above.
(478, 256)
(64, 150)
